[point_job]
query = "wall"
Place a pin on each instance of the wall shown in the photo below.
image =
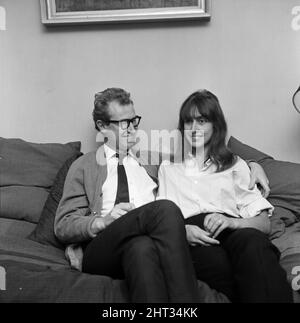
(247, 54)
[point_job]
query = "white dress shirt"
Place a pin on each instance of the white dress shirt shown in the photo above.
(141, 186)
(202, 190)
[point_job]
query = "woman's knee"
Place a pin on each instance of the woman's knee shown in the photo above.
(252, 240)
(211, 260)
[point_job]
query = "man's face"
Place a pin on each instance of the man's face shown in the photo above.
(117, 138)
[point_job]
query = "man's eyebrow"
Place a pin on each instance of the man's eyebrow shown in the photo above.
(124, 119)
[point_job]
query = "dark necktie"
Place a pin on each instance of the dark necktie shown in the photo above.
(122, 189)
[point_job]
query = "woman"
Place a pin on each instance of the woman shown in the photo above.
(226, 223)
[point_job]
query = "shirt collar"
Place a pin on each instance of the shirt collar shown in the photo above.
(192, 159)
(111, 153)
(131, 154)
(208, 162)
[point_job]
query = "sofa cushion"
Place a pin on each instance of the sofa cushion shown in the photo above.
(27, 173)
(44, 231)
(15, 228)
(22, 202)
(246, 152)
(284, 178)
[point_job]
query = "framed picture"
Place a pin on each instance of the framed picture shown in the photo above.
(108, 11)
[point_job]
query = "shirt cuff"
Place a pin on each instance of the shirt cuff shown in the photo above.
(248, 161)
(255, 208)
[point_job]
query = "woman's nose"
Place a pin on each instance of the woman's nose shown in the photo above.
(195, 125)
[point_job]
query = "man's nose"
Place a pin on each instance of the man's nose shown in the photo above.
(131, 128)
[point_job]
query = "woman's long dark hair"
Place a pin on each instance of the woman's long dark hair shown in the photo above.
(207, 104)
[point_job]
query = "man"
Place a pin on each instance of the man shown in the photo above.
(148, 246)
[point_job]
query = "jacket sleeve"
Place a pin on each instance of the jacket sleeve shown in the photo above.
(73, 216)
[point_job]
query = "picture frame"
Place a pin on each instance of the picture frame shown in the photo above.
(58, 12)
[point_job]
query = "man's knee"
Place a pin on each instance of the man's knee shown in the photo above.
(167, 205)
(140, 258)
(140, 247)
(169, 211)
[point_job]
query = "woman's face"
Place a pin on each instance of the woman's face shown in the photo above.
(198, 132)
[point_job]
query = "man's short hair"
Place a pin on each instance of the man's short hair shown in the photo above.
(102, 100)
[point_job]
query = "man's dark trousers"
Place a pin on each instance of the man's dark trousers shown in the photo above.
(148, 247)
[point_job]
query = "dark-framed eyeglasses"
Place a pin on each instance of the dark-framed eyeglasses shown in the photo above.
(125, 123)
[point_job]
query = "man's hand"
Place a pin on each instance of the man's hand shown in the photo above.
(258, 176)
(196, 236)
(118, 211)
(215, 223)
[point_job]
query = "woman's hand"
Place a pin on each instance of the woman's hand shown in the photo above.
(196, 236)
(215, 223)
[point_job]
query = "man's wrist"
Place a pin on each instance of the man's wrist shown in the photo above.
(97, 225)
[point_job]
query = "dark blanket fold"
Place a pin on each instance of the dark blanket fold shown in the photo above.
(39, 273)
(29, 282)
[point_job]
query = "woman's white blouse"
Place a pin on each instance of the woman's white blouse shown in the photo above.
(201, 190)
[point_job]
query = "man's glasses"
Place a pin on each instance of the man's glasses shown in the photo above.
(125, 123)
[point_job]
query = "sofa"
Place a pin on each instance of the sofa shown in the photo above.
(36, 270)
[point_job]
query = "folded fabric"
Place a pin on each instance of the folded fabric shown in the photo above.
(27, 173)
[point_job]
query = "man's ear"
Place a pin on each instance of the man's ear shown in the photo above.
(101, 125)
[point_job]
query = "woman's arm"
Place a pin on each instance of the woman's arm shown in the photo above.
(260, 222)
(215, 223)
